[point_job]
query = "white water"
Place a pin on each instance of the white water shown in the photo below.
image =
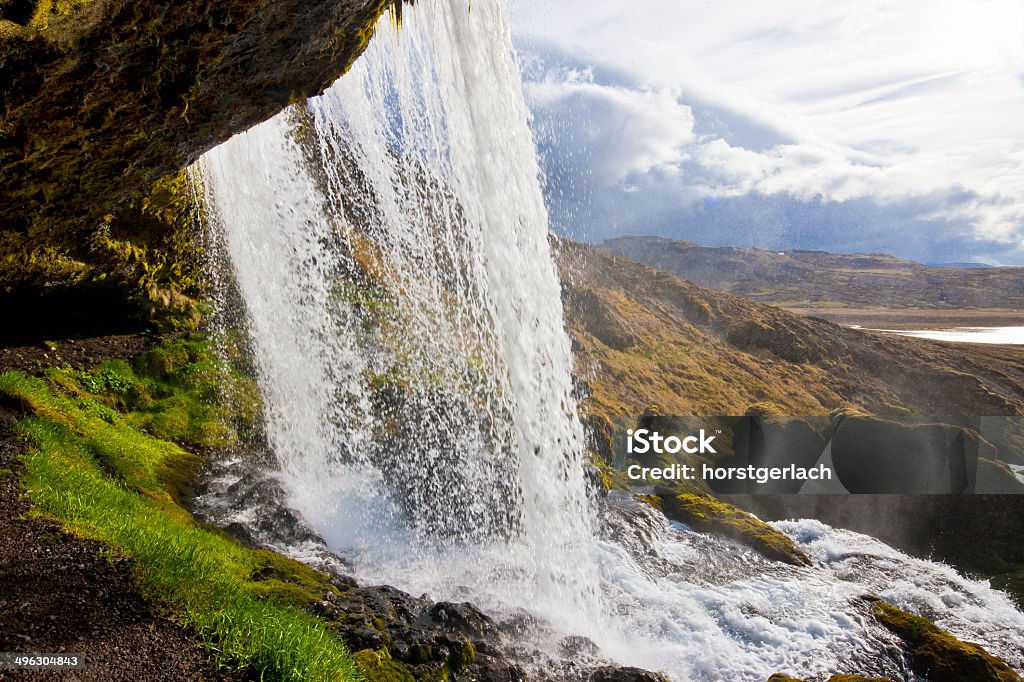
(1013, 336)
(390, 244)
(442, 220)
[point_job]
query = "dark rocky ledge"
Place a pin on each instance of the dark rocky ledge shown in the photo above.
(101, 97)
(103, 103)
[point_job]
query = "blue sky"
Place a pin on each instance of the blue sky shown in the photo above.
(881, 125)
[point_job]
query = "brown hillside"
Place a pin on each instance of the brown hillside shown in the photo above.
(645, 337)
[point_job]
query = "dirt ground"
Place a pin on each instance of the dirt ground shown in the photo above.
(59, 593)
(79, 353)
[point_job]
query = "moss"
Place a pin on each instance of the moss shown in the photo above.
(179, 391)
(706, 514)
(152, 256)
(106, 102)
(288, 581)
(378, 666)
(104, 478)
(608, 477)
(462, 658)
(48, 10)
(779, 677)
(938, 655)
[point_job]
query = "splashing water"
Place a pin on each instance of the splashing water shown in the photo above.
(390, 243)
(393, 255)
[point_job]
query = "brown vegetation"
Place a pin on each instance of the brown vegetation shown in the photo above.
(829, 281)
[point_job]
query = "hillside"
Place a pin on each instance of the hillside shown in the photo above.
(644, 336)
(836, 285)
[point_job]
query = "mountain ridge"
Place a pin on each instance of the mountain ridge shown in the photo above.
(803, 279)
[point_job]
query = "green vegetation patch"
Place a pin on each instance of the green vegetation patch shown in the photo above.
(94, 463)
(179, 391)
(938, 655)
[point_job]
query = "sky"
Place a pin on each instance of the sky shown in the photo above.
(890, 126)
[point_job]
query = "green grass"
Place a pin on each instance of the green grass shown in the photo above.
(95, 469)
(178, 391)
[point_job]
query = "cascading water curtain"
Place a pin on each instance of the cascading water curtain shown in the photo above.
(391, 243)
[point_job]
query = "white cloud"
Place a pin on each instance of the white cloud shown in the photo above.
(888, 100)
(640, 130)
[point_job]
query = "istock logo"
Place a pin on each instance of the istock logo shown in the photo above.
(643, 441)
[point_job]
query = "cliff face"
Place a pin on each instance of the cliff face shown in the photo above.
(103, 100)
(105, 96)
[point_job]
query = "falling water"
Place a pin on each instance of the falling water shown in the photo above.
(392, 251)
(389, 240)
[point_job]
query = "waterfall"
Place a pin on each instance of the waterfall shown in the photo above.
(390, 243)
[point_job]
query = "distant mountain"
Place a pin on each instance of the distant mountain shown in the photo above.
(804, 279)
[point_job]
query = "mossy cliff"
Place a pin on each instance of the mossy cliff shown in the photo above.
(105, 101)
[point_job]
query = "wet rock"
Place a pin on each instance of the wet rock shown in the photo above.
(576, 646)
(416, 635)
(241, 533)
(706, 514)
(251, 506)
(463, 618)
(612, 673)
(936, 654)
(271, 517)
